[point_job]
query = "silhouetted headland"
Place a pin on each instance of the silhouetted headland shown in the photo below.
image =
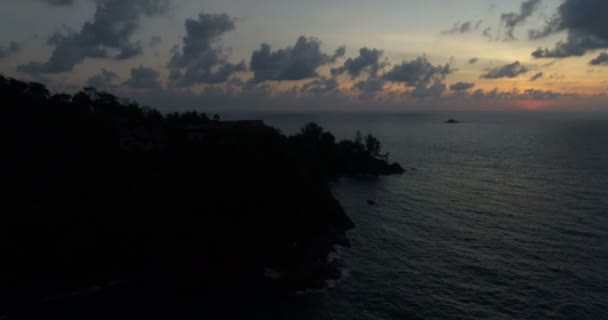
(103, 191)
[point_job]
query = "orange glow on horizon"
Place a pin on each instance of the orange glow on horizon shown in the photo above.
(533, 105)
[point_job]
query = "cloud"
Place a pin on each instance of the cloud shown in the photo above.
(487, 33)
(368, 60)
(495, 94)
(602, 59)
(321, 86)
(129, 51)
(419, 72)
(534, 94)
(473, 60)
(434, 90)
(557, 76)
(478, 94)
(586, 26)
(201, 59)
(462, 86)
(371, 85)
(529, 94)
(292, 63)
(463, 27)
(12, 48)
(339, 53)
(513, 19)
(155, 41)
(144, 78)
(550, 27)
(58, 2)
(113, 25)
(537, 76)
(103, 80)
(512, 70)
(262, 96)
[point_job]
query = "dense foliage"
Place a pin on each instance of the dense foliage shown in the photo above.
(98, 188)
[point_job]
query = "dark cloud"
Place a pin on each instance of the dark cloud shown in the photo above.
(144, 78)
(155, 41)
(513, 19)
(549, 64)
(512, 70)
(534, 94)
(339, 53)
(108, 35)
(548, 29)
(602, 59)
(321, 86)
(368, 60)
(473, 60)
(584, 21)
(537, 76)
(371, 85)
(419, 72)
(487, 33)
(462, 86)
(262, 96)
(493, 94)
(202, 35)
(557, 76)
(529, 94)
(479, 93)
(12, 48)
(201, 59)
(458, 27)
(103, 80)
(435, 90)
(129, 51)
(292, 63)
(202, 73)
(58, 2)
(463, 27)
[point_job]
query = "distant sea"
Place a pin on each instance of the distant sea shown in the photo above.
(502, 216)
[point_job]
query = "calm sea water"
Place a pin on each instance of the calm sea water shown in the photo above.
(503, 216)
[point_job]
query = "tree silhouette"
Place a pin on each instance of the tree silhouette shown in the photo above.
(106, 188)
(312, 132)
(372, 146)
(358, 138)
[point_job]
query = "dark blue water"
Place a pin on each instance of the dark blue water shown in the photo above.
(504, 217)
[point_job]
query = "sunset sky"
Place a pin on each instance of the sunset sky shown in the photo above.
(316, 55)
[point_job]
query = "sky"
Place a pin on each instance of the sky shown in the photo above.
(316, 55)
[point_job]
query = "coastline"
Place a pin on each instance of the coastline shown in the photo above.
(192, 202)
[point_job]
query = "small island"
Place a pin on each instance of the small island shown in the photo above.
(111, 192)
(451, 121)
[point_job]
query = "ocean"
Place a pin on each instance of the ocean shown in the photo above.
(502, 216)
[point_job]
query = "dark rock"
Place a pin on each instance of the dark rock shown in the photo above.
(452, 121)
(371, 202)
(395, 168)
